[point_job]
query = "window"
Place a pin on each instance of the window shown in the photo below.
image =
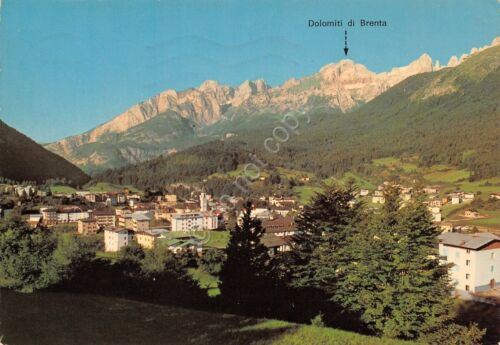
(466, 287)
(457, 254)
(492, 255)
(467, 262)
(492, 268)
(467, 251)
(467, 275)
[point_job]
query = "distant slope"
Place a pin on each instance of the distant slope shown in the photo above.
(21, 159)
(450, 116)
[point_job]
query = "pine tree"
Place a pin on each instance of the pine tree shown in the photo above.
(244, 274)
(323, 231)
(395, 282)
(422, 289)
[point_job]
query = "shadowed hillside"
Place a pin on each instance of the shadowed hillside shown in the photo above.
(21, 159)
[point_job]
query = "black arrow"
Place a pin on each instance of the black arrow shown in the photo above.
(345, 42)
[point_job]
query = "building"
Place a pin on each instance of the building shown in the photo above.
(91, 197)
(436, 213)
(146, 239)
(117, 238)
(436, 203)
(71, 214)
(125, 220)
(87, 226)
(378, 197)
(495, 196)
(468, 196)
(455, 199)
(471, 214)
(140, 222)
(49, 216)
(194, 221)
(446, 227)
(105, 217)
(281, 227)
(475, 259)
(204, 198)
(364, 192)
(182, 244)
(275, 244)
(33, 220)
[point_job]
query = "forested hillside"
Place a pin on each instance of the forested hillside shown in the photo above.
(447, 117)
(21, 159)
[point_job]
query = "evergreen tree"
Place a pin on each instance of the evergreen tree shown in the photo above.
(395, 281)
(244, 273)
(324, 228)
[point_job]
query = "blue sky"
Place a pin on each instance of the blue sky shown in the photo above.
(70, 65)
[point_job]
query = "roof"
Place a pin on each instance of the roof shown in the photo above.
(146, 233)
(119, 230)
(87, 220)
(140, 217)
(468, 241)
(104, 212)
(279, 224)
(272, 241)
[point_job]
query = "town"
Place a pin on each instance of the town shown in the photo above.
(127, 216)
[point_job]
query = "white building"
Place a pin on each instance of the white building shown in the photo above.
(116, 238)
(194, 221)
(436, 213)
(475, 259)
(204, 198)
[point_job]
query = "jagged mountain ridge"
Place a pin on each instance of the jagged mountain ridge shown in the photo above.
(341, 86)
(450, 117)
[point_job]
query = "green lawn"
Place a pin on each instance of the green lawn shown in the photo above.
(62, 189)
(306, 193)
(360, 181)
(206, 281)
(486, 186)
(215, 239)
(492, 218)
(449, 175)
(102, 187)
(395, 163)
(447, 209)
(328, 336)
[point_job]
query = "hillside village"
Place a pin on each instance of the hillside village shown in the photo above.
(200, 222)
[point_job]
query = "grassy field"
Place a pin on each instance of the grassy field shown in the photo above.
(395, 164)
(206, 281)
(360, 181)
(62, 189)
(485, 186)
(448, 175)
(102, 187)
(305, 193)
(107, 320)
(448, 209)
(492, 218)
(216, 239)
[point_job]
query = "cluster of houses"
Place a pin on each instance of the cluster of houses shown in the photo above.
(434, 202)
(126, 218)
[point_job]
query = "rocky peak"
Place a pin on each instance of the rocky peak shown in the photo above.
(209, 85)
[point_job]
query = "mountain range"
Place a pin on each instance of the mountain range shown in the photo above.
(22, 159)
(450, 116)
(172, 121)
